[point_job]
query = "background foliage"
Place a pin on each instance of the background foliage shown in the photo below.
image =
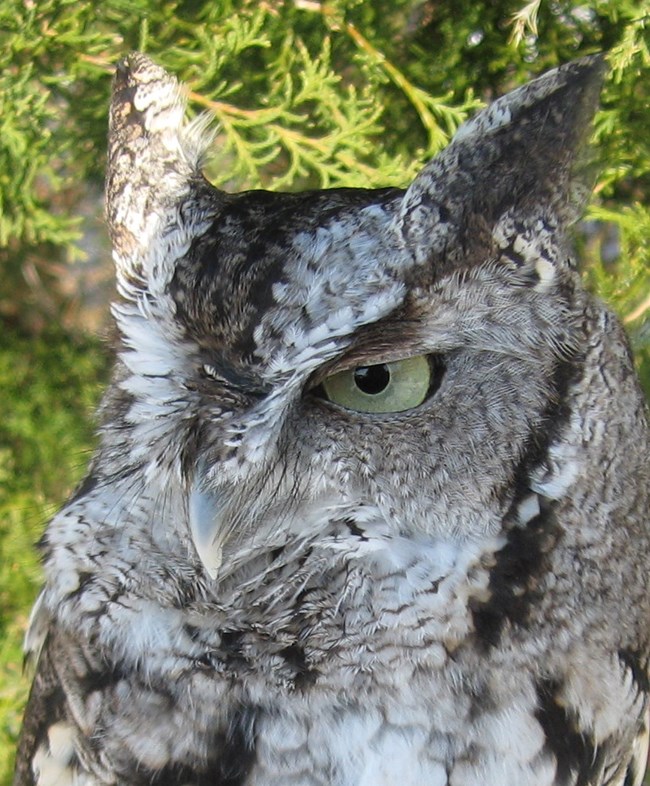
(305, 94)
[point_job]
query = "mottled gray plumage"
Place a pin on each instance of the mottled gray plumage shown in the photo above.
(370, 502)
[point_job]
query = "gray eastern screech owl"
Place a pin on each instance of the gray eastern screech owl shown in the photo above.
(370, 502)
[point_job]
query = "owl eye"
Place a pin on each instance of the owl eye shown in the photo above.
(384, 387)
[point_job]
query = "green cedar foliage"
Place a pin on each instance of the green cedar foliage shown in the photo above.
(304, 94)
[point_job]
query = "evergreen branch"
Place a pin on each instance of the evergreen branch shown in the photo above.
(633, 44)
(417, 97)
(100, 62)
(638, 312)
(425, 105)
(294, 141)
(526, 17)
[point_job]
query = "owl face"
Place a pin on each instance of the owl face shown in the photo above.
(329, 362)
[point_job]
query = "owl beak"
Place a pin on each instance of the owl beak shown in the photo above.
(205, 529)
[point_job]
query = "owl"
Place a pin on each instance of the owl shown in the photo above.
(369, 506)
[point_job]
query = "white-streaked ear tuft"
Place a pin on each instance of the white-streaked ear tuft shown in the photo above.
(154, 170)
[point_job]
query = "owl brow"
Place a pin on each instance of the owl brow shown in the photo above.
(382, 342)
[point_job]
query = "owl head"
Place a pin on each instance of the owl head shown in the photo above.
(349, 367)
(389, 358)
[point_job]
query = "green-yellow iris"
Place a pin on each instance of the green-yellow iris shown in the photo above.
(385, 387)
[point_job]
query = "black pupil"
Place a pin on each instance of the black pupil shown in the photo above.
(372, 379)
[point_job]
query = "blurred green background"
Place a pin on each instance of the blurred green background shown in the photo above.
(305, 94)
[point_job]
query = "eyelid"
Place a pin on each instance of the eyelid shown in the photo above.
(358, 359)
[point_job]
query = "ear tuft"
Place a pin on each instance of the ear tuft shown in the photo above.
(154, 165)
(521, 156)
(561, 101)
